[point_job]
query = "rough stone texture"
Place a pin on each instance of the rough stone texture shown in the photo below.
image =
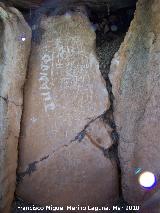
(63, 138)
(106, 50)
(13, 63)
(135, 79)
(92, 3)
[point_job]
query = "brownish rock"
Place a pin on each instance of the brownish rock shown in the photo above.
(136, 87)
(63, 139)
(13, 63)
(75, 174)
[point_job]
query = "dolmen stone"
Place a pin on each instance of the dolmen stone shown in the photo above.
(136, 87)
(15, 37)
(63, 137)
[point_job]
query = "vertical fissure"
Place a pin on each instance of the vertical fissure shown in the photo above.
(109, 119)
(22, 114)
(110, 33)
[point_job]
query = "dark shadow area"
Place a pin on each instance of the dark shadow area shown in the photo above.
(111, 28)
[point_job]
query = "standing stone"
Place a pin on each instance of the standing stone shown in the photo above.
(63, 138)
(13, 63)
(135, 77)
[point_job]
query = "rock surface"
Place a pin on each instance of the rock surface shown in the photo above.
(135, 79)
(114, 4)
(13, 63)
(63, 137)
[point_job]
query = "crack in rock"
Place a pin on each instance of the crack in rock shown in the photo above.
(9, 101)
(79, 137)
(31, 168)
(81, 134)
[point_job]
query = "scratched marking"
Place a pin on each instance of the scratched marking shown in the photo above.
(45, 88)
(69, 69)
(33, 120)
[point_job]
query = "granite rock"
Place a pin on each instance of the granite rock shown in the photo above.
(14, 55)
(63, 138)
(136, 84)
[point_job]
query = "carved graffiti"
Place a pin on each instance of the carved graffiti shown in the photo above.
(45, 88)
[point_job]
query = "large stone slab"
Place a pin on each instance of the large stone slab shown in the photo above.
(136, 86)
(13, 63)
(64, 97)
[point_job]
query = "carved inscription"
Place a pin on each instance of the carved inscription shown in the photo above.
(69, 70)
(45, 88)
(71, 66)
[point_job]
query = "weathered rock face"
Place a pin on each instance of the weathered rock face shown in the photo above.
(13, 62)
(63, 138)
(114, 4)
(136, 87)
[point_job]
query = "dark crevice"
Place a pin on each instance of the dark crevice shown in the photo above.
(113, 150)
(108, 117)
(21, 126)
(6, 100)
(32, 167)
(107, 44)
(79, 137)
(107, 152)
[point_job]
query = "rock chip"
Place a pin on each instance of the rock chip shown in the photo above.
(136, 86)
(63, 138)
(14, 55)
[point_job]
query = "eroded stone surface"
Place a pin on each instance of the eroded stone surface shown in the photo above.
(93, 3)
(13, 63)
(65, 92)
(77, 173)
(136, 84)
